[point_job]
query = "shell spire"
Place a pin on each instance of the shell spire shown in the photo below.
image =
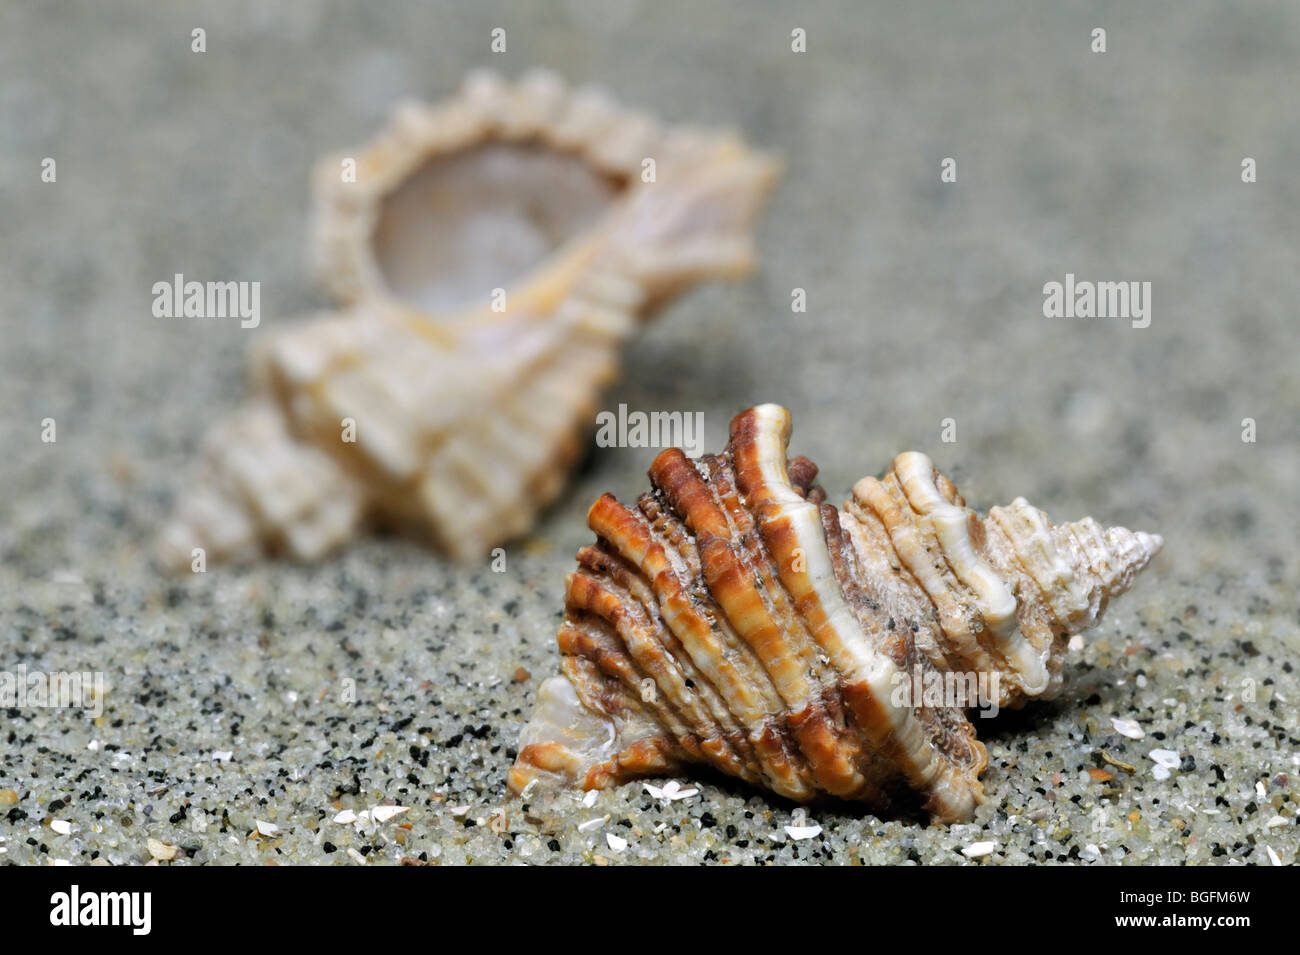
(492, 253)
(734, 618)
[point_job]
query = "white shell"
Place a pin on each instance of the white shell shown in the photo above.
(493, 252)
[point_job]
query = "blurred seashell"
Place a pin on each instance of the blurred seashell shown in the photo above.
(733, 618)
(493, 253)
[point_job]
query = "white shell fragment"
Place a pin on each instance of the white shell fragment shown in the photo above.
(492, 253)
(161, 851)
(977, 850)
(671, 792)
(808, 650)
(803, 832)
(385, 813)
(1129, 728)
(1166, 761)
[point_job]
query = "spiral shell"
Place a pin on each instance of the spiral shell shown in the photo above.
(492, 254)
(733, 618)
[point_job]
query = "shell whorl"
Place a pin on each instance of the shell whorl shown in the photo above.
(734, 618)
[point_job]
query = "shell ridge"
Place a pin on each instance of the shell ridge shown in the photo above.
(795, 535)
(822, 737)
(638, 566)
(731, 587)
(673, 704)
(727, 678)
(915, 546)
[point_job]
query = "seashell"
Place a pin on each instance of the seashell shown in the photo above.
(493, 253)
(733, 618)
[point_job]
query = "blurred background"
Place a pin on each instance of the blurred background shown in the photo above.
(924, 298)
(924, 302)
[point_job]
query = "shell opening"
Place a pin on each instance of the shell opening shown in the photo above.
(464, 224)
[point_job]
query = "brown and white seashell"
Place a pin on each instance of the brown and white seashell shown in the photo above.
(733, 618)
(493, 253)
